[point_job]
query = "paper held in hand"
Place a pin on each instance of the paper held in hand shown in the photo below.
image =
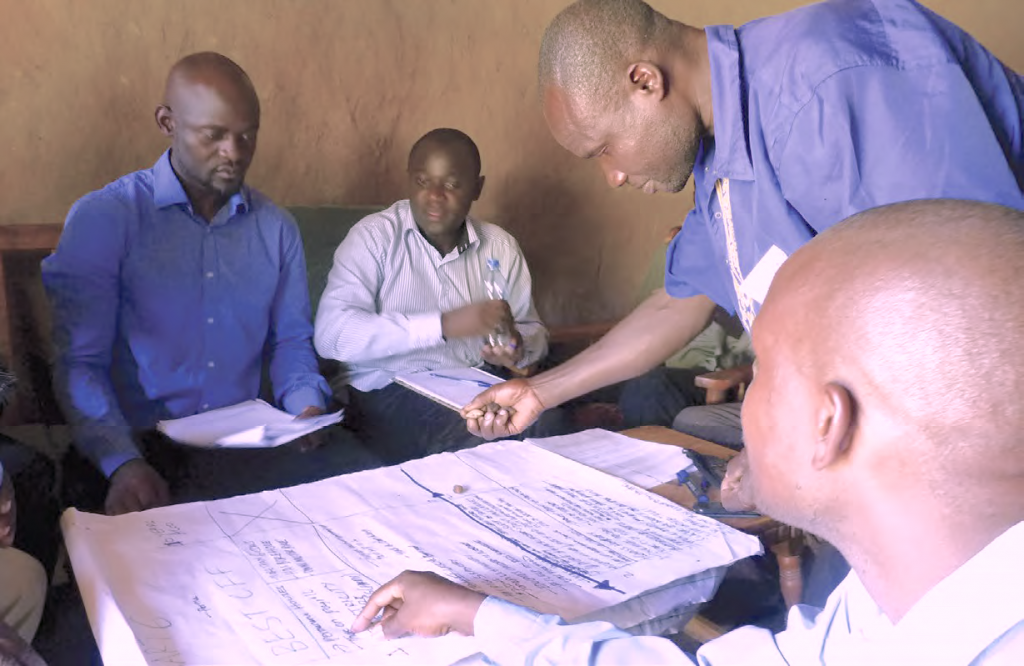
(251, 424)
(453, 387)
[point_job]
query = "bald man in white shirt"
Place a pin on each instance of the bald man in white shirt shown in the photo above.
(893, 432)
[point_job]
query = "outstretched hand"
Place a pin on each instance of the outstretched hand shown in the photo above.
(504, 410)
(420, 603)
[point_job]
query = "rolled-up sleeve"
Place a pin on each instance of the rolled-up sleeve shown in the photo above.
(692, 266)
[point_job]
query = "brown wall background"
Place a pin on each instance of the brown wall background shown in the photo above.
(347, 86)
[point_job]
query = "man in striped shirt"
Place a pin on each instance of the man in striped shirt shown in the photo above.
(406, 294)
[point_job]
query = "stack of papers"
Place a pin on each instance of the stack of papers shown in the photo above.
(645, 464)
(454, 388)
(250, 424)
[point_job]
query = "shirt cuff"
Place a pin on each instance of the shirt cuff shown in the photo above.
(425, 330)
(300, 398)
(107, 446)
(113, 462)
(502, 621)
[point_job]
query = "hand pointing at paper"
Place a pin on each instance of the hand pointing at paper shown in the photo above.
(420, 603)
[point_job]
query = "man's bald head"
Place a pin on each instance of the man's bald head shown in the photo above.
(886, 410)
(586, 47)
(904, 325)
(890, 368)
(919, 300)
(211, 70)
(212, 115)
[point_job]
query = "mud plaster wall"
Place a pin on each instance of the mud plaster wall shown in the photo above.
(347, 86)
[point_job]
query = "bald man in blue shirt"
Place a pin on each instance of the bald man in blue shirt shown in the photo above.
(169, 288)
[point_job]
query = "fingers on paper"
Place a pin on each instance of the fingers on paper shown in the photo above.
(388, 596)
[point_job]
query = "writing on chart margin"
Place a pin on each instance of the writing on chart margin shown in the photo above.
(271, 629)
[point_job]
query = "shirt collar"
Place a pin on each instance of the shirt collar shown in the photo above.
(932, 632)
(168, 191)
(470, 237)
(732, 152)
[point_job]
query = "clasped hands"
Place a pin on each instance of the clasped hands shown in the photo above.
(480, 320)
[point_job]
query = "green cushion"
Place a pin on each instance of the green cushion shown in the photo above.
(323, 228)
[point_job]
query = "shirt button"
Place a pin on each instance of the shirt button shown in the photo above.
(209, 320)
(206, 405)
(210, 364)
(718, 216)
(209, 274)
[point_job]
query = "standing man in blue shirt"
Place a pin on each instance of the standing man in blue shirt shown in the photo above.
(788, 125)
(169, 288)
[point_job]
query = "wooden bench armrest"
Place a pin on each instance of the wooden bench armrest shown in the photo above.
(29, 237)
(720, 382)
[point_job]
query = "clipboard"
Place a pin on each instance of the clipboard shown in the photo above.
(451, 387)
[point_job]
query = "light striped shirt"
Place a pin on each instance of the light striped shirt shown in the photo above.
(380, 314)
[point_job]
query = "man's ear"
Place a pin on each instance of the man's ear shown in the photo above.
(479, 187)
(834, 427)
(648, 79)
(164, 119)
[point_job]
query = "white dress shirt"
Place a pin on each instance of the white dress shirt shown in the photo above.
(380, 314)
(974, 617)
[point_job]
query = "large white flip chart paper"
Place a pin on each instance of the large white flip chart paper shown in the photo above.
(277, 577)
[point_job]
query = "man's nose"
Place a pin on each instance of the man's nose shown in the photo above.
(232, 147)
(614, 177)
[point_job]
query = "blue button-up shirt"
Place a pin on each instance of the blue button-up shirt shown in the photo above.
(159, 314)
(835, 108)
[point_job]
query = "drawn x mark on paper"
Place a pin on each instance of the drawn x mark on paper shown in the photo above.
(260, 516)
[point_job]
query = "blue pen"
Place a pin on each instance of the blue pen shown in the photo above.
(685, 478)
(479, 382)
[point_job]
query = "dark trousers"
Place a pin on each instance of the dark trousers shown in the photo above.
(197, 474)
(656, 397)
(399, 424)
(36, 530)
